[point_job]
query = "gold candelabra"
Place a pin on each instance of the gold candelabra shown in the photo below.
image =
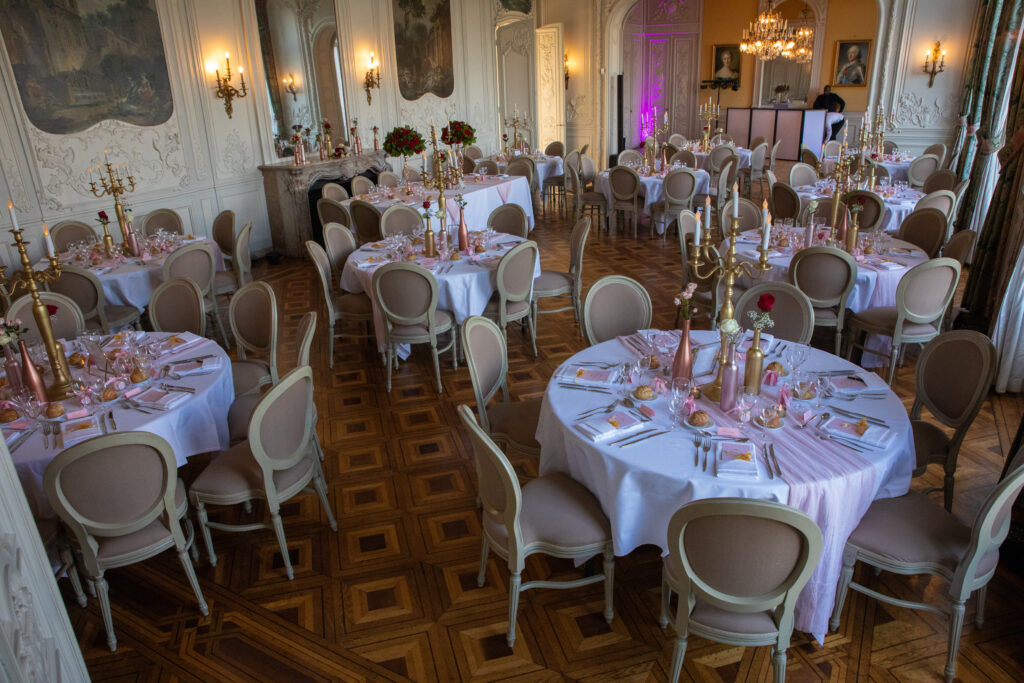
(113, 184)
(727, 267)
(707, 113)
(652, 150)
(438, 181)
(225, 90)
(841, 177)
(27, 280)
(515, 124)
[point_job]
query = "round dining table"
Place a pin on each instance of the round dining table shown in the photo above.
(547, 166)
(704, 158)
(651, 189)
(898, 165)
(640, 481)
(900, 202)
(197, 423)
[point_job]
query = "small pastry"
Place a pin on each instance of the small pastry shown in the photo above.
(417, 240)
(54, 410)
(861, 427)
(109, 394)
(784, 242)
(410, 257)
(775, 422)
(775, 366)
(479, 249)
(190, 237)
(699, 418)
(8, 415)
(76, 360)
(643, 392)
(655, 363)
(454, 256)
(869, 250)
(137, 376)
(176, 340)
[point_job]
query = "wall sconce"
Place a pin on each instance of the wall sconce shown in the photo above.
(938, 62)
(289, 87)
(225, 90)
(565, 60)
(372, 79)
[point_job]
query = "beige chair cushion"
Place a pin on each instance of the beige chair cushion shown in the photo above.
(592, 197)
(117, 316)
(709, 616)
(353, 304)
(248, 375)
(559, 511)
(825, 317)
(224, 280)
(930, 442)
(514, 308)
(239, 415)
(517, 420)
(442, 323)
(235, 471)
(915, 529)
(111, 548)
(550, 283)
(883, 319)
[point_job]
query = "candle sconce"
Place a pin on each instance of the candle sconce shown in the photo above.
(289, 87)
(225, 90)
(372, 79)
(934, 62)
(565, 61)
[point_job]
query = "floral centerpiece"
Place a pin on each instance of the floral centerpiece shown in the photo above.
(760, 319)
(403, 141)
(682, 364)
(458, 133)
(11, 330)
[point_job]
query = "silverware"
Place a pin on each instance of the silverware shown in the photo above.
(127, 403)
(175, 387)
(643, 438)
(696, 449)
(577, 387)
(867, 418)
(829, 437)
(20, 439)
(593, 412)
(631, 436)
(58, 435)
(771, 449)
(707, 449)
(103, 423)
(767, 464)
(110, 416)
(805, 425)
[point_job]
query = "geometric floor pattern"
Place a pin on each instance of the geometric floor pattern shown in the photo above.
(392, 595)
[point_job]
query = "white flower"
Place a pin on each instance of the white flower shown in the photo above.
(17, 322)
(5, 339)
(730, 326)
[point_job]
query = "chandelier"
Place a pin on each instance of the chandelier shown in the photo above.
(769, 36)
(803, 38)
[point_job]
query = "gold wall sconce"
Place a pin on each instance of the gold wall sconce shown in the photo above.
(372, 79)
(934, 62)
(565, 62)
(225, 90)
(289, 87)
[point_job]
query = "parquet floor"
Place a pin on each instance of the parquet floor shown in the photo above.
(392, 595)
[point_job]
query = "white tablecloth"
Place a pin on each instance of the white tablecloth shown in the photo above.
(651, 189)
(199, 425)
(462, 291)
(704, 158)
(897, 207)
(640, 487)
(898, 167)
(547, 166)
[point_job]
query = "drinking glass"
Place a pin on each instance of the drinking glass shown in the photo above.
(643, 364)
(796, 355)
(745, 410)
(821, 383)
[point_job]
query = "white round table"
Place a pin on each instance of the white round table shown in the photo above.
(640, 486)
(651, 189)
(198, 425)
(899, 203)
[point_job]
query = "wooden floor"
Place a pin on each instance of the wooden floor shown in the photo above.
(392, 595)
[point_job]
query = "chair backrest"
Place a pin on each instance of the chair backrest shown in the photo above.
(629, 156)
(509, 219)
(339, 242)
(224, 231)
(959, 246)
(400, 219)
(823, 213)
(920, 168)
(387, 179)
(281, 427)
(588, 169)
(574, 186)
(676, 140)
(468, 165)
(555, 149)
(670, 150)
(724, 188)
(751, 215)
(473, 152)
(577, 246)
(334, 191)
(881, 172)
(953, 376)
(515, 273)
(742, 555)
(360, 185)
(775, 151)
(684, 157)
(177, 306)
(792, 313)
(66, 233)
(873, 208)
(615, 305)
(572, 159)
(304, 333)
(241, 255)
(521, 166)
(406, 294)
(484, 344)
(757, 141)
(943, 179)
(943, 200)
(733, 166)
(679, 186)
(487, 166)
(925, 291)
(718, 156)
(802, 174)
(584, 148)
(832, 148)
(890, 147)
(784, 201)
(809, 157)
(826, 275)
(332, 211)
(252, 314)
(757, 154)
(194, 261)
(323, 269)
(366, 218)
(67, 323)
(925, 228)
(167, 220)
(772, 179)
(686, 225)
(721, 139)
(85, 289)
(114, 485)
(937, 150)
(624, 183)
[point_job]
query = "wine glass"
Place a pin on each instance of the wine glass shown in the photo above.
(796, 355)
(745, 410)
(26, 403)
(821, 383)
(643, 364)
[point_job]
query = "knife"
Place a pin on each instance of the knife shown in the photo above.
(643, 438)
(868, 418)
(768, 465)
(771, 449)
(631, 436)
(110, 416)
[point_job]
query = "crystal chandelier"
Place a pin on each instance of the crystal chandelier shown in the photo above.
(769, 36)
(803, 38)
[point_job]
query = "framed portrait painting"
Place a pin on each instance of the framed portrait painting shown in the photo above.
(852, 63)
(726, 62)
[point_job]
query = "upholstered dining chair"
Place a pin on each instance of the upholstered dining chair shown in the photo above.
(366, 219)
(825, 275)
(56, 544)
(911, 535)
(472, 152)
(342, 307)
(387, 179)
(922, 296)
(953, 376)
(66, 233)
(717, 159)
(802, 174)
(276, 463)
(872, 209)
(196, 262)
(177, 305)
(334, 191)
(738, 566)
(120, 498)
(684, 157)
(784, 201)
(339, 243)
(792, 314)
(572, 159)
(809, 157)
(625, 186)
(332, 211)
(554, 185)
(361, 185)
(82, 286)
(832, 148)
(771, 179)
(677, 139)
(487, 166)
(756, 169)
(407, 297)
(226, 282)
(554, 284)
(750, 214)
(944, 201)
(224, 233)
(958, 248)
(773, 155)
(552, 514)
(588, 171)
(881, 172)
(615, 305)
(167, 220)
(509, 219)
(938, 150)
(555, 149)
(920, 168)
(943, 179)
(925, 228)
(890, 147)
(513, 423)
(67, 322)
(253, 318)
(679, 186)
(823, 213)
(721, 139)
(522, 166)
(400, 219)
(513, 299)
(591, 202)
(468, 165)
(629, 156)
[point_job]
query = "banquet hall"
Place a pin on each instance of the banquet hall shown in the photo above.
(437, 340)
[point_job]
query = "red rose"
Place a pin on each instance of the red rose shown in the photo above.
(862, 200)
(103, 215)
(51, 309)
(426, 204)
(327, 126)
(765, 302)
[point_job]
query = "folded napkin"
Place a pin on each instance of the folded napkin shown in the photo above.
(850, 428)
(766, 341)
(74, 431)
(195, 367)
(736, 461)
(160, 399)
(372, 262)
(14, 428)
(584, 375)
(606, 426)
(177, 343)
(849, 385)
(885, 263)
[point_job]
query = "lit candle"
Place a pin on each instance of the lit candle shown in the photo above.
(696, 234)
(665, 118)
(105, 159)
(766, 234)
(14, 219)
(707, 214)
(91, 181)
(49, 242)
(735, 201)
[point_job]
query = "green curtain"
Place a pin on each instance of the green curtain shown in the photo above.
(1000, 243)
(995, 50)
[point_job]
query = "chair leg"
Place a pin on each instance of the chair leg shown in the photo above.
(947, 491)
(839, 338)
(275, 519)
(979, 614)
(892, 363)
(190, 572)
(515, 581)
(609, 585)
(533, 334)
(437, 368)
(391, 357)
(956, 625)
(481, 577)
(321, 490)
(108, 622)
(204, 521)
(845, 576)
(666, 601)
(67, 558)
(330, 345)
(678, 653)
(779, 665)
(455, 346)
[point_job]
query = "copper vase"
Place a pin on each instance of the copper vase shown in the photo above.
(464, 233)
(30, 376)
(682, 365)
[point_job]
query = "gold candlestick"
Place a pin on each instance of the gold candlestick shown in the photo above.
(114, 185)
(515, 125)
(729, 268)
(437, 182)
(708, 113)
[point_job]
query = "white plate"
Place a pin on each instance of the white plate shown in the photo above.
(706, 428)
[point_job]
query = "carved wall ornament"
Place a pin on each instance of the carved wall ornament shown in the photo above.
(33, 649)
(912, 110)
(235, 157)
(574, 107)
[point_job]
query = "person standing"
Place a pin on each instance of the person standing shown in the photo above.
(831, 102)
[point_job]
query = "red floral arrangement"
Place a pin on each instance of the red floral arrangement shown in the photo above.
(458, 133)
(103, 217)
(51, 309)
(761, 320)
(765, 302)
(403, 142)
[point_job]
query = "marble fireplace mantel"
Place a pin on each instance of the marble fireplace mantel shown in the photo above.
(287, 190)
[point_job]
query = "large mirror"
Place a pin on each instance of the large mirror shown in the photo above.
(303, 63)
(787, 79)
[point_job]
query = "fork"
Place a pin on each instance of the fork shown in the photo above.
(707, 449)
(46, 435)
(696, 449)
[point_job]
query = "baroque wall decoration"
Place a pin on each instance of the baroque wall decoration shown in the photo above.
(423, 48)
(75, 66)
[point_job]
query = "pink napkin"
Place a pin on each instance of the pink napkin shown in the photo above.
(503, 190)
(771, 377)
(17, 424)
(785, 396)
(689, 405)
(646, 410)
(731, 432)
(133, 392)
(75, 414)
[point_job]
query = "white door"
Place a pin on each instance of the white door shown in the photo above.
(551, 85)
(517, 72)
